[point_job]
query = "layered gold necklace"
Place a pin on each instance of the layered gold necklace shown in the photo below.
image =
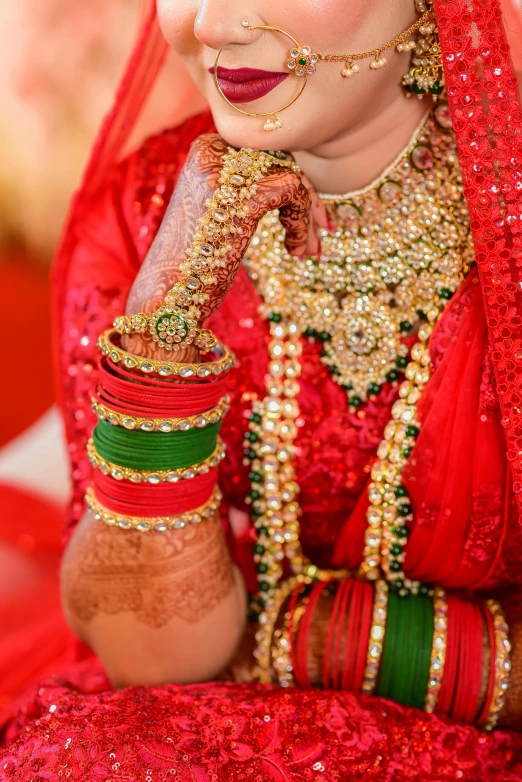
(400, 250)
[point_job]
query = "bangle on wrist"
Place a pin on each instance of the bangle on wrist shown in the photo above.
(222, 360)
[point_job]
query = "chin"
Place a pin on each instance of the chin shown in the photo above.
(249, 132)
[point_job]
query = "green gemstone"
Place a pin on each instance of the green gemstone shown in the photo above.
(254, 494)
(400, 491)
(397, 584)
(275, 317)
(405, 325)
(445, 293)
(406, 452)
(355, 401)
(412, 431)
(404, 510)
(422, 315)
(250, 454)
(255, 477)
(252, 437)
(436, 88)
(256, 418)
(374, 389)
(261, 567)
(302, 61)
(392, 376)
(418, 90)
(394, 566)
(262, 531)
(264, 586)
(257, 513)
(424, 589)
(395, 550)
(401, 362)
(401, 532)
(259, 550)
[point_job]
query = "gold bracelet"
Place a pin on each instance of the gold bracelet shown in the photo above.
(175, 324)
(217, 366)
(120, 473)
(200, 421)
(502, 664)
(156, 523)
(267, 619)
(438, 649)
(376, 642)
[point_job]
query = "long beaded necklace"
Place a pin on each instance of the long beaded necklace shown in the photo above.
(400, 249)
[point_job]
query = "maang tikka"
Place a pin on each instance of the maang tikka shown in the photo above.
(425, 75)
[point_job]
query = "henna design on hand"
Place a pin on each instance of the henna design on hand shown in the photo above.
(182, 574)
(281, 189)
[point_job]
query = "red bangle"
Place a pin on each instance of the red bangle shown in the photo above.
(155, 397)
(332, 627)
(345, 599)
(164, 499)
(301, 670)
(365, 627)
(492, 665)
(352, 637)
(469, 674)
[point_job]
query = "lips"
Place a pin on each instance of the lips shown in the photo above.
(242, 85)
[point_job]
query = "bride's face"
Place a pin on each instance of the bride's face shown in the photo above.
(330, 104)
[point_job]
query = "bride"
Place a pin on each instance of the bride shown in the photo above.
(290, 381)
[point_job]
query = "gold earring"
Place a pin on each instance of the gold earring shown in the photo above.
(426, 74)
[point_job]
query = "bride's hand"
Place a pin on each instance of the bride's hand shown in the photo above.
(280, 189)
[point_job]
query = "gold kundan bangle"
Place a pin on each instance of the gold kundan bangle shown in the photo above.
(157, 523)
(502, 664)
(438, 649)
(200, 421)
(267, 620)
(120, 473)
(376, 642)
(222, 363)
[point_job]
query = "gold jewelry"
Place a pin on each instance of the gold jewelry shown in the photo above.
(426, 74)
(438, 649)
(273, 122)
(157, 523)
(120, 473)
(401, 246)
(267, 621)
(174, 325)
(302, 61)
(502, 664)
(376, 642)
(222, 363)
(200, 421)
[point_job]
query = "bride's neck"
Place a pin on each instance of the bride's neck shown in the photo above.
(354, 159)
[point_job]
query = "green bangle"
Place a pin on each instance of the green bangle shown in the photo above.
(154, 450)
(407, 650)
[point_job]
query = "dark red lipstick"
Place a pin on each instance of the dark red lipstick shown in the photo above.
(242, 85)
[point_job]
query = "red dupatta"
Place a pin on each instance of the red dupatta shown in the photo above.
(482, 93)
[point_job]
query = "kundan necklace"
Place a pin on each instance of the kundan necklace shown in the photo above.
(400, 250)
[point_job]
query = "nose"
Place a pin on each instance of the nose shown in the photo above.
(218, 22)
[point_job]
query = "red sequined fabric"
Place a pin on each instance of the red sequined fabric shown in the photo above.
(79, 730)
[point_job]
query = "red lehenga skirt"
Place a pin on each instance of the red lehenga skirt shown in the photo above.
(70, 724)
